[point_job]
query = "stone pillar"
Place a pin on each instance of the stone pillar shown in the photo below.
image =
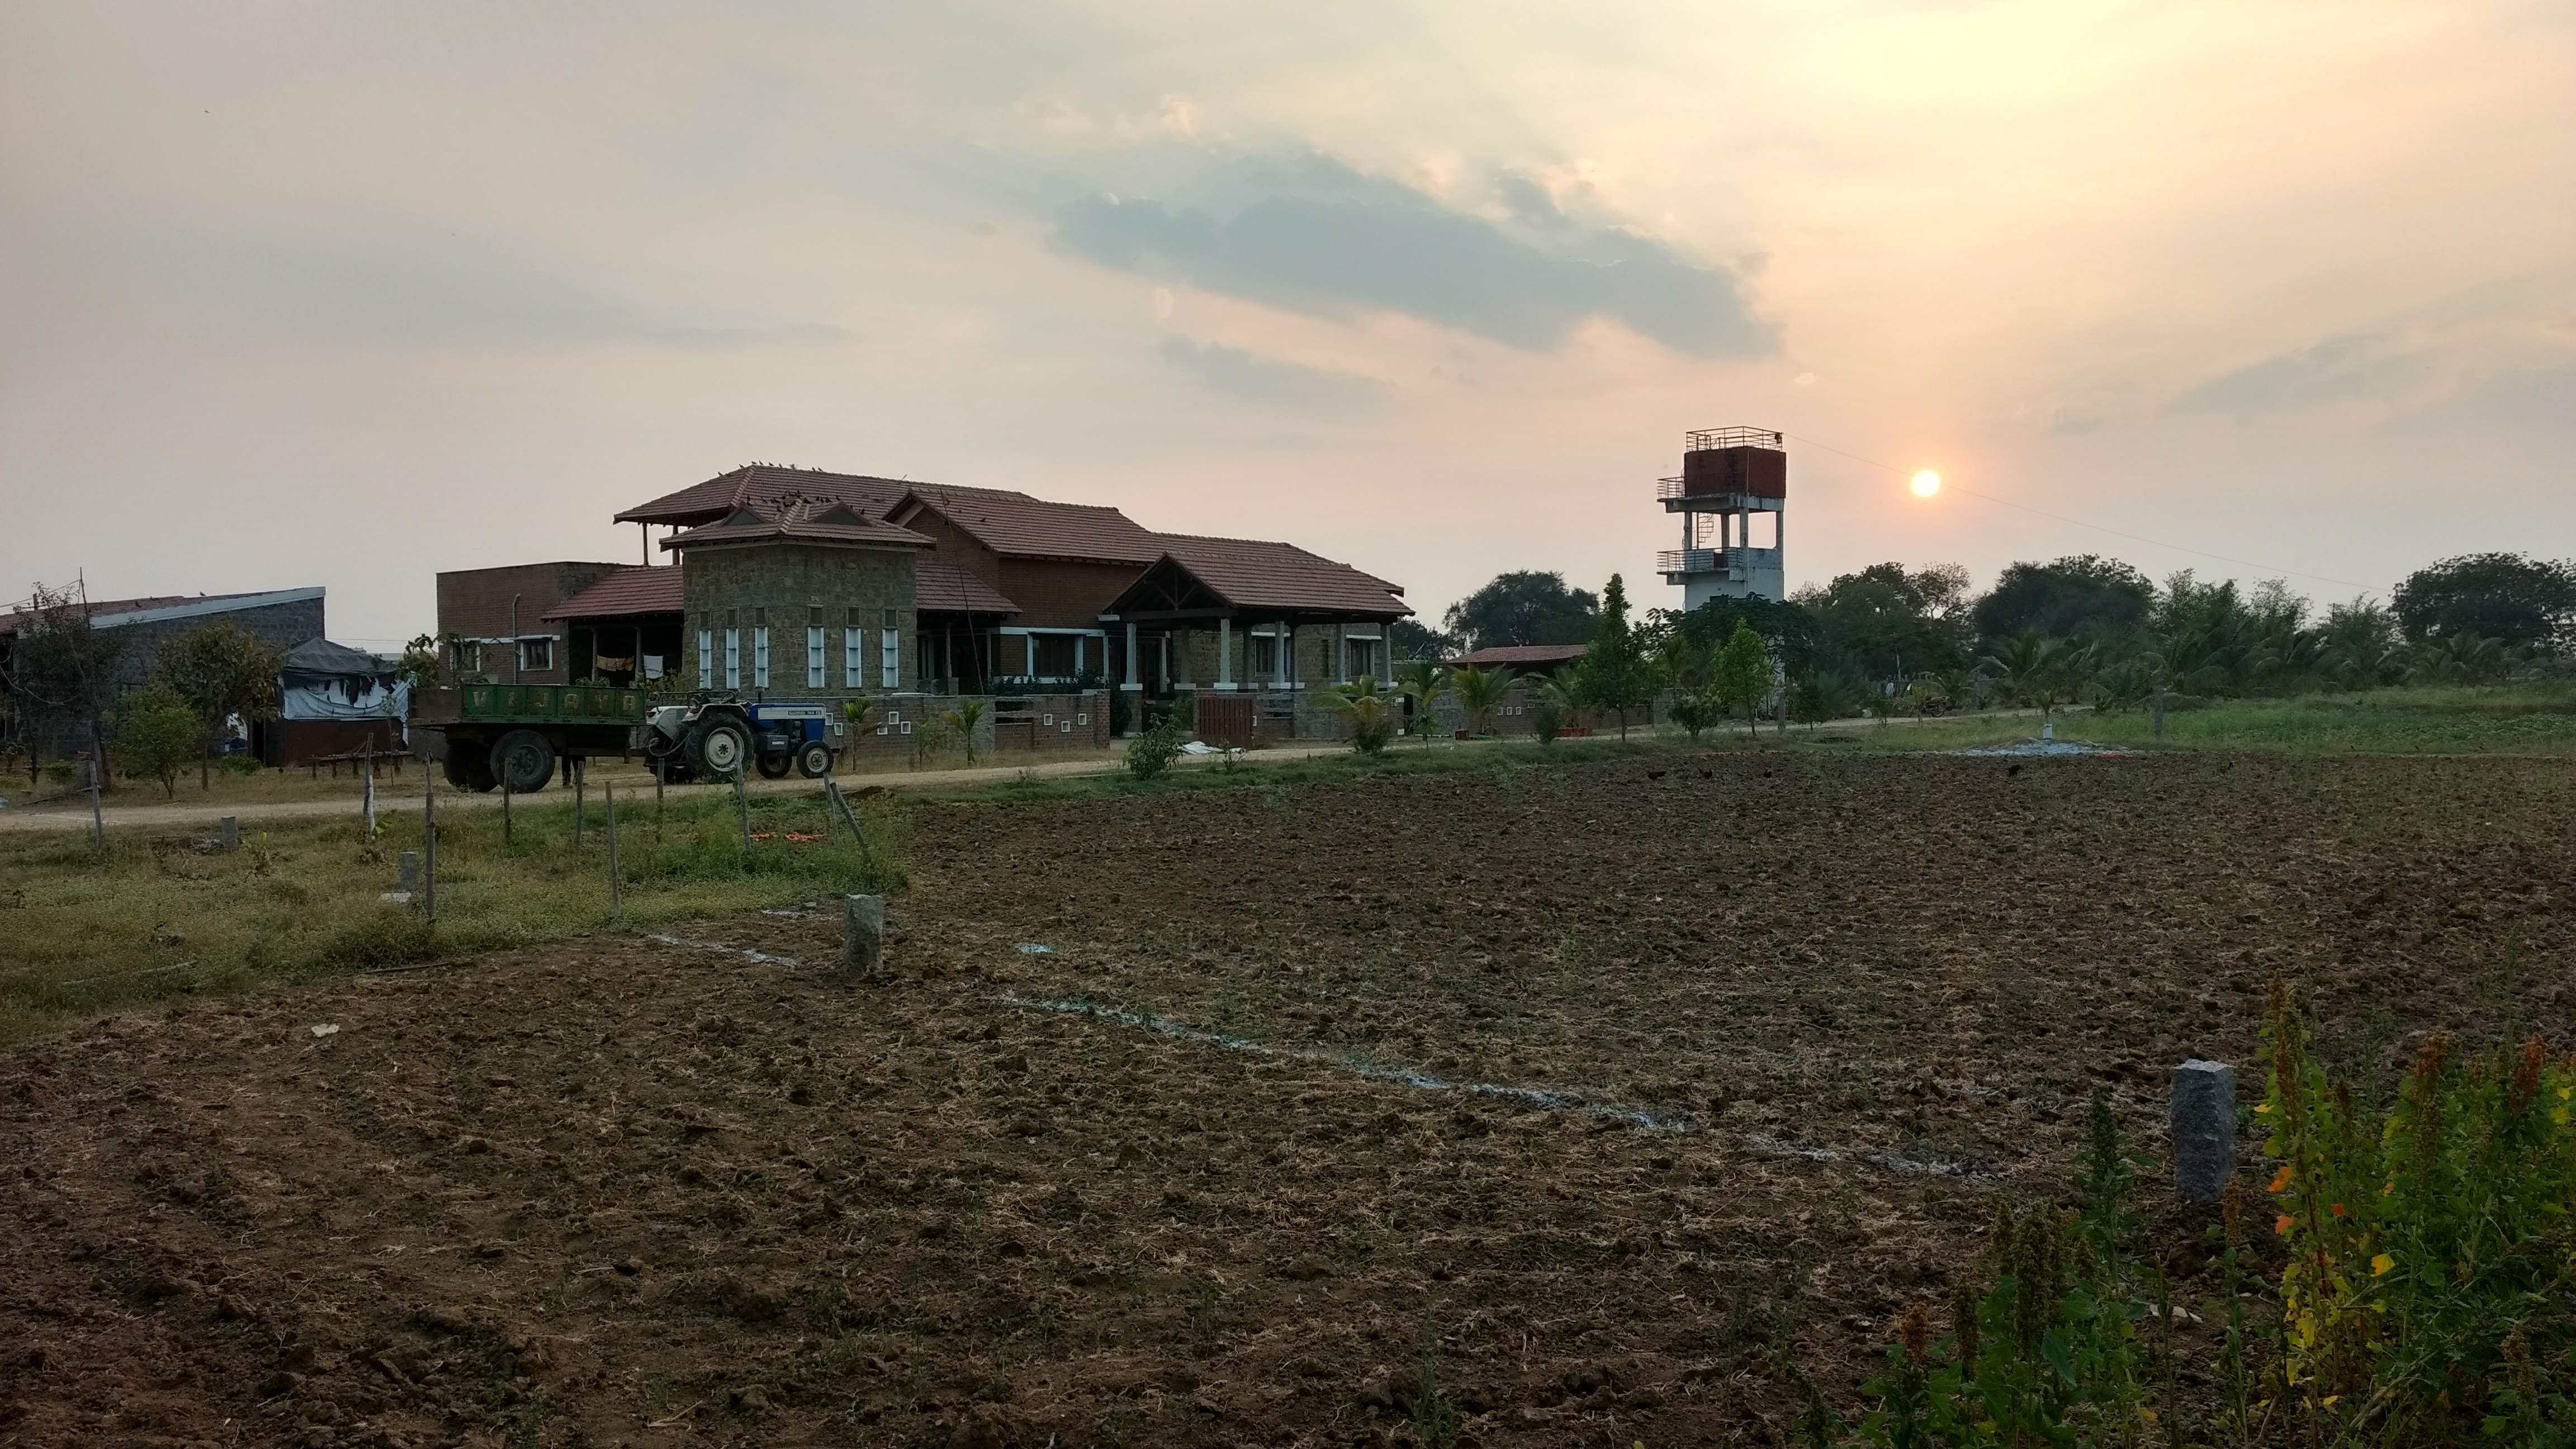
(231, 824)
(862, 935)
(1225, 653)
(1341, 670)
(410, 868)
(1132, 680)
(2204, 1128)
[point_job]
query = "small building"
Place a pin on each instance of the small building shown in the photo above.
(499, 617)
(279, 618)
(1523, 658)
(332, 699)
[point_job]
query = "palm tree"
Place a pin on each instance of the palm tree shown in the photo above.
(2027, 668)
(962, 720)
(1479, 691)
(1368, 704)
(1422, 682)
(1556, 705)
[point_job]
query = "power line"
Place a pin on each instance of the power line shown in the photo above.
(2096, 527)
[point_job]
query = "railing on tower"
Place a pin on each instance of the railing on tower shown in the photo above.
(1700, 440)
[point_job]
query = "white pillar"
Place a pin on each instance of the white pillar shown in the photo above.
(1029, 655)
(1225, 652)
(1132, 681)
(1287, 636)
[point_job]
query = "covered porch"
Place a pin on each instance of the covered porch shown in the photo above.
(1252, 647)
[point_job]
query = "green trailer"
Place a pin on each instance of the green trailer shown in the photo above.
(488, 734)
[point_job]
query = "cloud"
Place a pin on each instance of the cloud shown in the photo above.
(1248, 375)
(1311, 235)
(2334, 370)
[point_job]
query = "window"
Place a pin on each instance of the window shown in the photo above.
(1362, 663)
(1052, 655)
(760, 653)
(536, 656)
(706, 659)
(1263, 661)
(854, 669)
(889, 650)
(814, 654)
(469, 658)
(733, 655)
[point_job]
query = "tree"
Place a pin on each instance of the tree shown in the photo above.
(1785, 625)
(2030, 669)
(220, 670)
(1887, 623)
(1370, 708)
(1421, 682)
(1742, 676)
(1479, 691)
(156, 733)
(2062, 597)
(2507, 597)
(962, 722)
(1523, 608)
(1414, 639)
(1613, 672)
(61, 671)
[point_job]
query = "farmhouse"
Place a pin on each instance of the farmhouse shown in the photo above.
(834, 584)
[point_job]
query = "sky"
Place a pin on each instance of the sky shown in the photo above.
(334, 294)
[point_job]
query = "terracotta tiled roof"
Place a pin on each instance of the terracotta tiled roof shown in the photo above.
(766, 483)
(1542, 655)
(631, 590)
(1256, 574)
(798, 519)
(1026, 527)
(942, 587)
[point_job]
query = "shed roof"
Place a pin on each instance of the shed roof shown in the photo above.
(766, 483)
(631, 590)
(941, 587)
(1541, 655)
(1245, 575)
(109, 613)
(322, 657)
(799, 520)
(1024, 527)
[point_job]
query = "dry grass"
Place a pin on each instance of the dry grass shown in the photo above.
(159, 914)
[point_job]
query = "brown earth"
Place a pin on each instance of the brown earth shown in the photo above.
(1802, 1018)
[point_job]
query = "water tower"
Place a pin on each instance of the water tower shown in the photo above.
(1733, 486)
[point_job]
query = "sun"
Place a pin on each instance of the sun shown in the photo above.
(1926, 483)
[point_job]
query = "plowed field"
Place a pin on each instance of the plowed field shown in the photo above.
(1573, 1102)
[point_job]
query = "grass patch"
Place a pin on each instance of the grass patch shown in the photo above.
(84, 931)
(2522, 719)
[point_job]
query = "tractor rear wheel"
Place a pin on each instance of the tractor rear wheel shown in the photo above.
(715, 749)
(468, 767)
(524, 760)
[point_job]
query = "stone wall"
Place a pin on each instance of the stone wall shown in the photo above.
(787, 588)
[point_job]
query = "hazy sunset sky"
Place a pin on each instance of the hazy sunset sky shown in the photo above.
(347, 294)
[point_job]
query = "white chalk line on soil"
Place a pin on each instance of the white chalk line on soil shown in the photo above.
(1575, 1100)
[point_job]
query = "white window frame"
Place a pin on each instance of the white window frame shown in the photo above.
(854, 669)
(814, 656)
(890, 657)
(733, 659)
(760, 657)
(526, 642)
(706, 659)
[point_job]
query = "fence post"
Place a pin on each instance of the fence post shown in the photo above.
(429, 845)
(2204, 1128)
(616, 906)
(578, 775)
(230, 828)
(369, 808)
(742, 802)
(2160, 712)
(657, 804)
(97, 820)
(862, 935)
(841, 803)
(505, 810)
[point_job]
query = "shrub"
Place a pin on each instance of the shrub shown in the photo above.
(1152, 752)
(157, 734)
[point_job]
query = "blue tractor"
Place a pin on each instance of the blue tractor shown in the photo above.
(711, 736)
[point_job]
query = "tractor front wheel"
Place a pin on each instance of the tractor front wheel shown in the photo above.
(815, 760)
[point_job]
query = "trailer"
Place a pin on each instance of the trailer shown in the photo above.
(488, 735)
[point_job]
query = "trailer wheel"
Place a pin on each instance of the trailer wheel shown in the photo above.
(774, 767)
(715, 749)
(815, 760)
(524, 760)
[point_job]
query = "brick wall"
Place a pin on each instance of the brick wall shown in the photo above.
(909, 731)
(740, 586)
(476, 604)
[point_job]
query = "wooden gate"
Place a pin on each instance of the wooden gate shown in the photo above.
(1225, 719)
